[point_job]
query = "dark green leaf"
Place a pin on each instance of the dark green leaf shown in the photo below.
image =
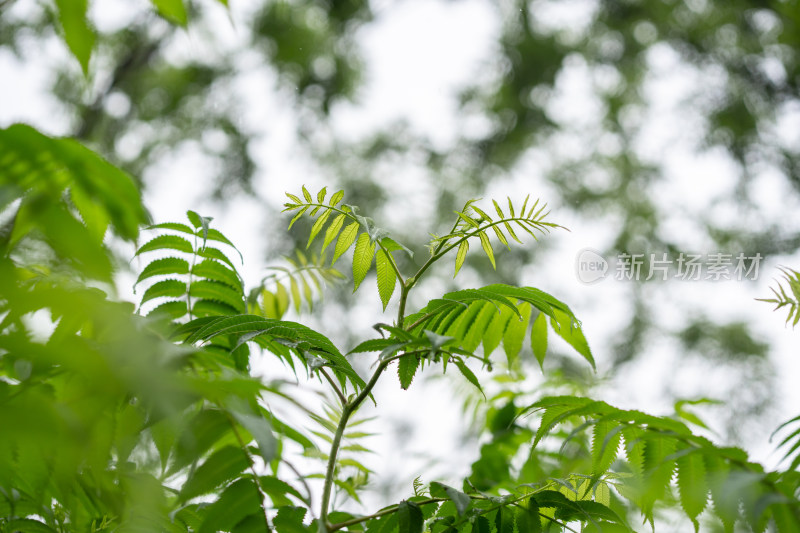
(167, 265)
(290, 520)
(223, 465)
(169, 287)
(409, 517)
(239, 500)
(166, 242)
(459, 499)
(407, 367)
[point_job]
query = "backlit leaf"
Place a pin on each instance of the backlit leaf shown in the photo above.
(387, 279)
(345, 241)
(362, 259)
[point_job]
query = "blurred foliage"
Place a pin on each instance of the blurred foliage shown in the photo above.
(136, 101)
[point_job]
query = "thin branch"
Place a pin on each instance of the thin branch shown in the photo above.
(388, 510)
(347, 409)
(335, 387)
(302, 480)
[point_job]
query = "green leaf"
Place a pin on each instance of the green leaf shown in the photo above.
(569, 330)
(169, 287)
(504, 520)
(27, 525)
(345, 241)
(290, 520)
(409, 517)
(333, 230)
(539, 339)
(487, 247)
(174, 226)
(259, 428)
(459, 499)
(387, 279)
(239, 500)
(78, 35)
(362, 259)
(467, 373)
(160, 267)
(218, 292)
(172, 10)
(606, 438)
(214, 271)
(515, 335)
(406, 368)
(528, 520)
(336, 198)
(306, 194)
(173, 310)
(463, 248)
(317, 227)
(166, 242)
(222, 466)
(692, 484)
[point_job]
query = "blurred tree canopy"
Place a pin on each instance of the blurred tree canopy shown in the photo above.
(138, 96)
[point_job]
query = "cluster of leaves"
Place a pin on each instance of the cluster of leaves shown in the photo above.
(782, 299)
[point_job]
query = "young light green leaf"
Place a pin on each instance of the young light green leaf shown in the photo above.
(333, 230)
(570, 331)
(515, 334)
(336, 198)
(321, 196)
(345, 241)
(467, 373)
(317, 227)
(463, 248)
(172, 10)
(539, 338)
(362, 259)
(387, 279)
(487, 247)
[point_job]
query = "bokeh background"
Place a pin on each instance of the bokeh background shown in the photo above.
(649, 126)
